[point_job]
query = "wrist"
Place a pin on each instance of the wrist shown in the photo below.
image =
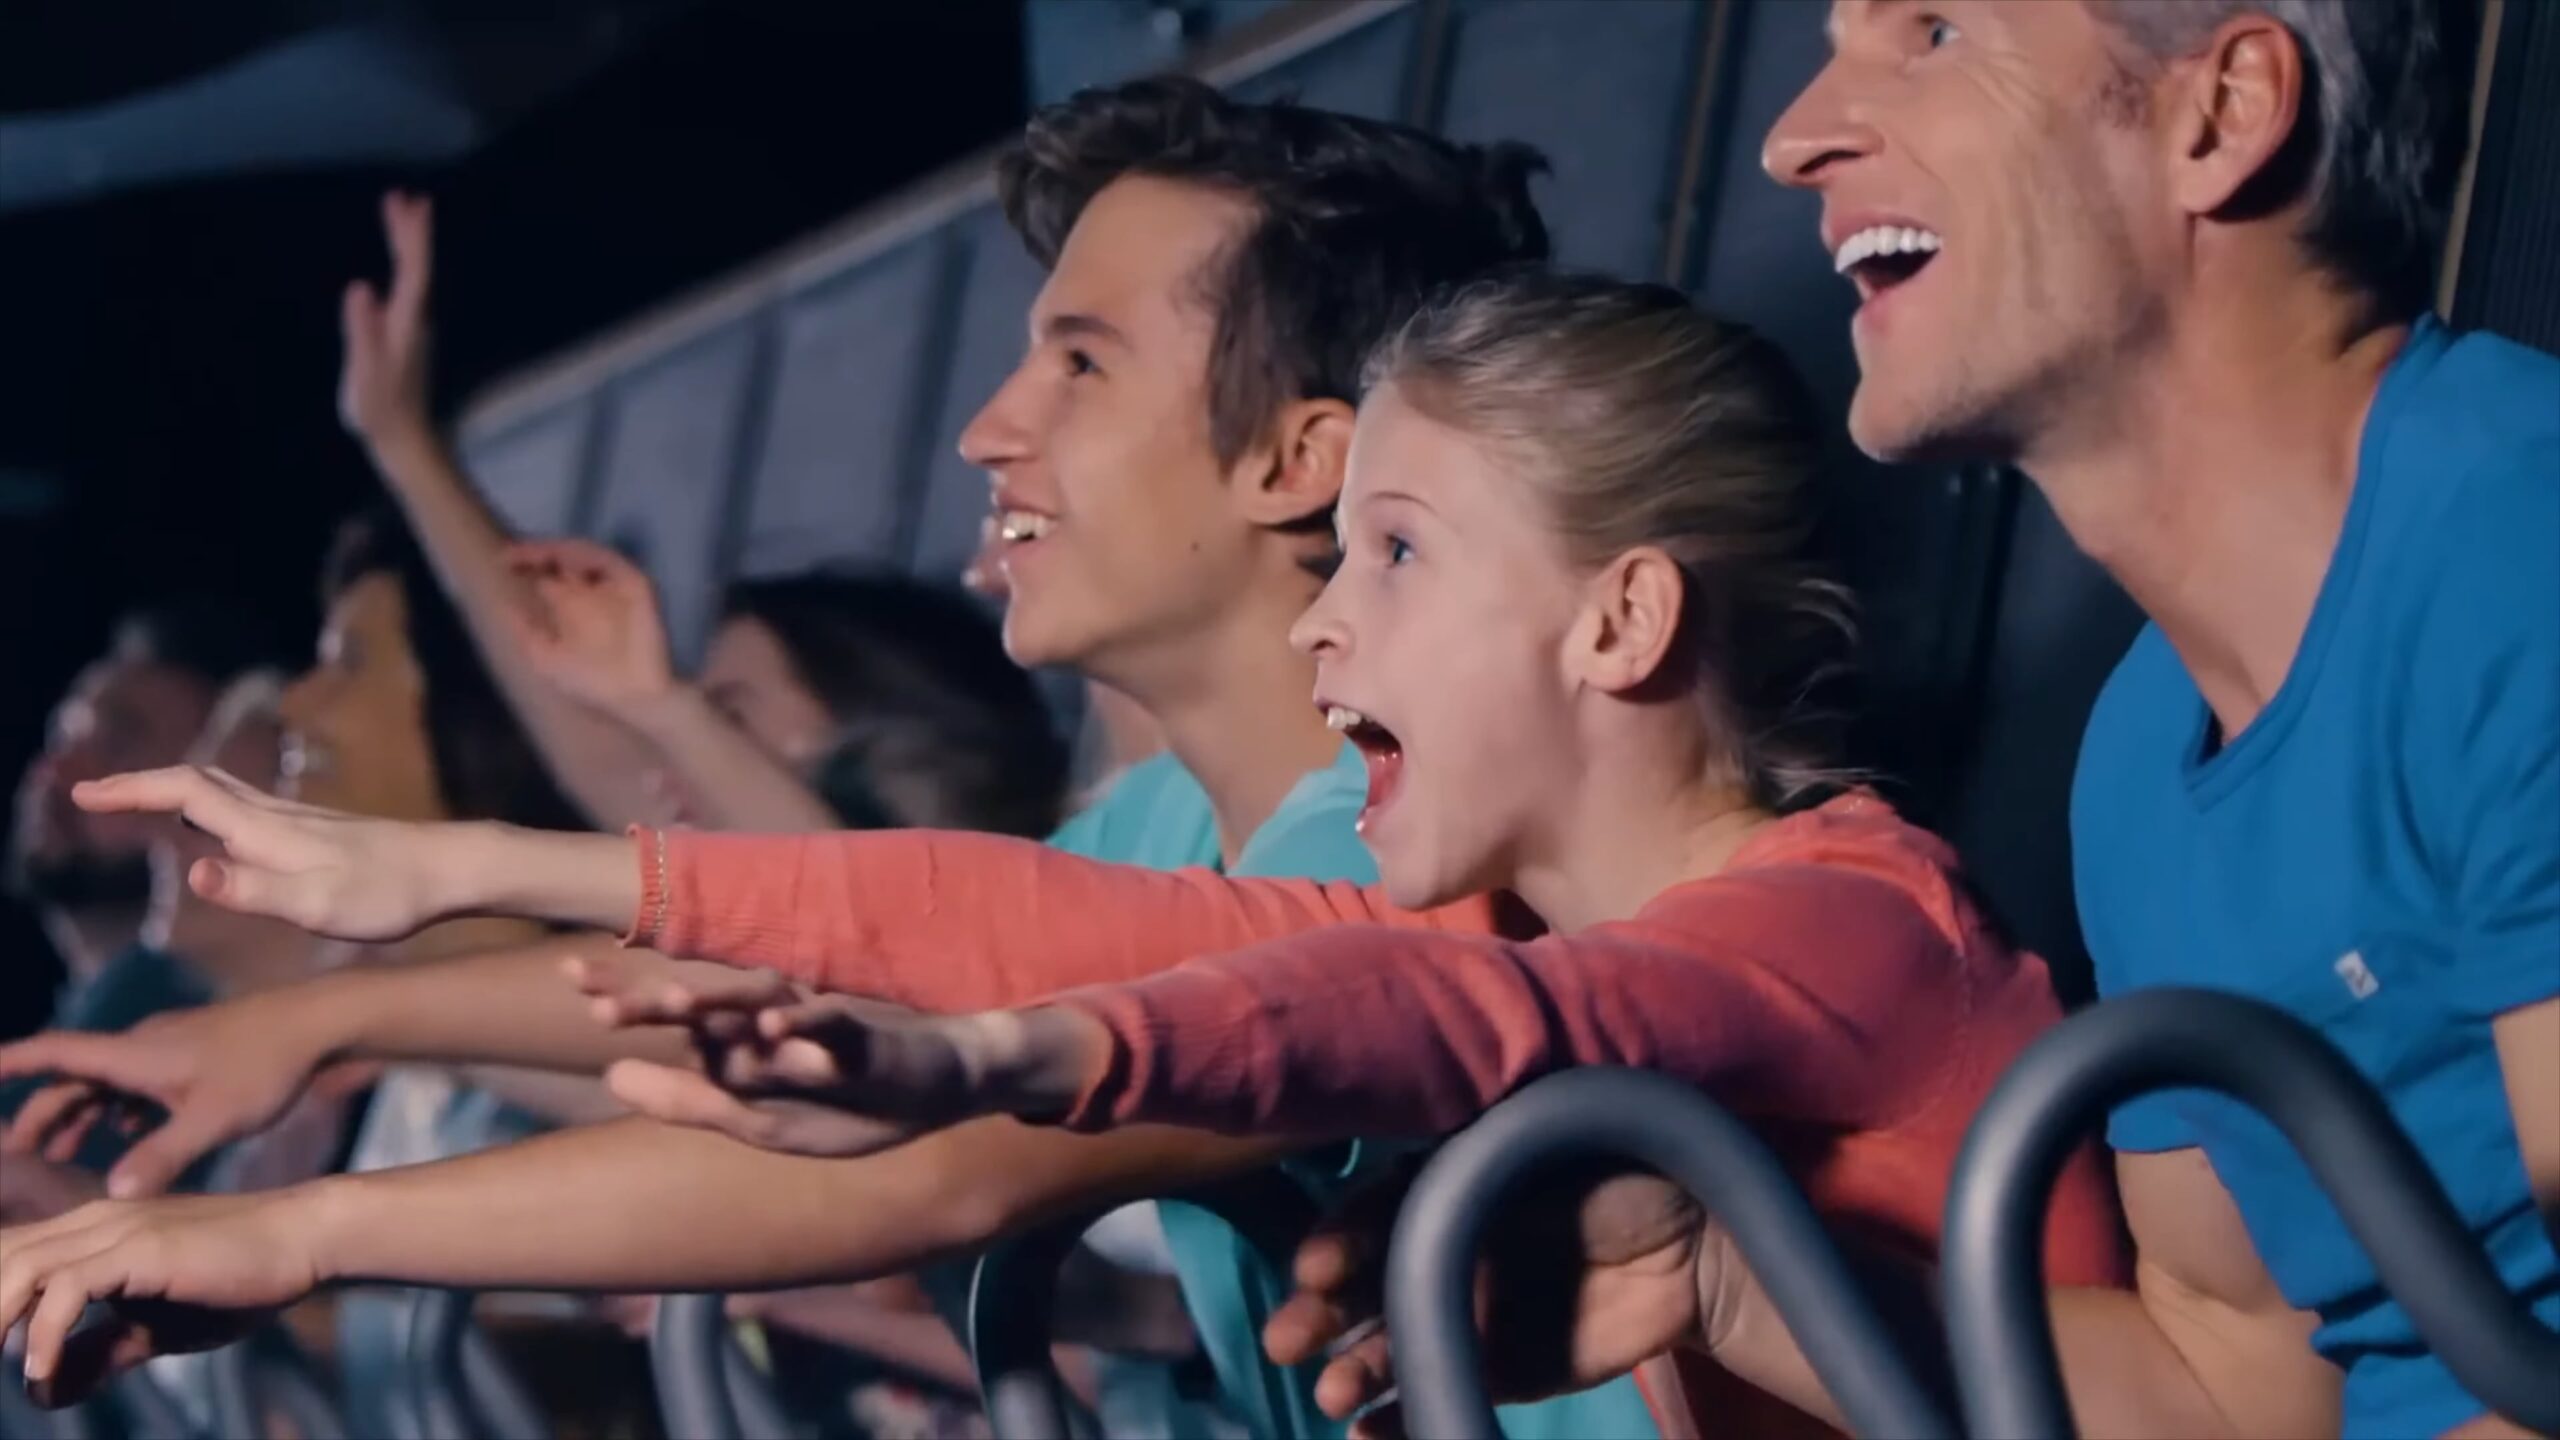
(402, 444)
(326, 1019)
(671, 710)
(588, 880)
(1041, 1062)
(327, 1212)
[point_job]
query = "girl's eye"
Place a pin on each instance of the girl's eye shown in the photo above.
(1080, 363)
(1398, 550)
(1940, 32)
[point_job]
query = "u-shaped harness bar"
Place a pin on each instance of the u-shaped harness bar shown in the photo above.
(1998, 1321)
(1657, 1121)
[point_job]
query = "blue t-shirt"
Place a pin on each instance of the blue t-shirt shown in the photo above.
(2378, 853)
(1157, 815)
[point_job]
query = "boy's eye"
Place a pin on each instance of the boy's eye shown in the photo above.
(1080, 363)
(1398, 551)
(1940, 32)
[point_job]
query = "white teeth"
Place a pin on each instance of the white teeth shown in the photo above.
(1016, 526)
(1884, 240)
(1342, 718)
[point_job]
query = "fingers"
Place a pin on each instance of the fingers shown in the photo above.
(67, 1292)
(43, 1114)
(31, 1254)
(408, 225)
(157, 1160)
(62, 1143)
(360, 318)
(573, 558)
(1361, 1375)
(681, 1097)
(629, 994)
(184, 790)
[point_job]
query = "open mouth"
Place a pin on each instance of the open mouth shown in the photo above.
(1882, 258)
(1379, 749)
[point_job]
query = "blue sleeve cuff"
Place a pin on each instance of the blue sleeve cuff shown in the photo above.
(2151, 1123)
(2517, 969)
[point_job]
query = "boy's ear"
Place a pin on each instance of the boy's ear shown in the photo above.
(1297, 476)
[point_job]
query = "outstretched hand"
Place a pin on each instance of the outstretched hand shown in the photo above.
(333, 874)
(594, 628)
(814, 1074)
(382, 385)
(1591, 1279)
(178, 1274)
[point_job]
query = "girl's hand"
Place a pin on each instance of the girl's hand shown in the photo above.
(831, 1075)
(333, 874)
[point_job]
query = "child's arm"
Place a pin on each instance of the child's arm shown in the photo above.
(942, 920)
(955, 921)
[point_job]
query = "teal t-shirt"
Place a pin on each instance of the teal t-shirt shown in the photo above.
(1157, 815)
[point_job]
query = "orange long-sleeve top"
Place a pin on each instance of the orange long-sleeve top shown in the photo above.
(1833, 982)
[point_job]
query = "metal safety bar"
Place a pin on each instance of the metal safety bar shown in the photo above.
(1659, 1122)
(706, 1384)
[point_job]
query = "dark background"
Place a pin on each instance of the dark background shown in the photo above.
(168, 356)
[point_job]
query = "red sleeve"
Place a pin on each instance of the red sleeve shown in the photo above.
(1797, 990)
(952, 920)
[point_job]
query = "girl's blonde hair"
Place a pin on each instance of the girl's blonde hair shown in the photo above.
(1640, 420)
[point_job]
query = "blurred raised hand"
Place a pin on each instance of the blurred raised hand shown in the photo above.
(382, 383)
(593, 627)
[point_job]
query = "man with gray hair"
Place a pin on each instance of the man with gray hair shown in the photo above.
(2172, 259)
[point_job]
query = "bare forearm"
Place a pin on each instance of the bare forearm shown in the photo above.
(562, 1099)
(639, 1207)
(739, 784)
(502, 1007)
(594, 759)
(1747, 1337)
(2134, 1371)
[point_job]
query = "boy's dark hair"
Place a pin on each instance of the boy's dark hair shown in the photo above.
(936, 724)
(1358, 221)
(486, 767)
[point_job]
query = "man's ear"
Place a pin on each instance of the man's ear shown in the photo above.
(2237, 116)
(1630, 621)
(1297, 476)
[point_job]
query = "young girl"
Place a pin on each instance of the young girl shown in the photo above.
(1571, 633)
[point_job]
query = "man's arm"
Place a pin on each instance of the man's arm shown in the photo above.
(2204, 1345)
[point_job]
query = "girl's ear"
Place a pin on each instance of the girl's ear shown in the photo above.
(1631, 619)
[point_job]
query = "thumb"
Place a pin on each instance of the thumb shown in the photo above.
(245, 888)
(360, 316)
(159, 1158)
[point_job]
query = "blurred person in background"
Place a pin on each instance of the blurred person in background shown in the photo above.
(88, 877)
(578, 647)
